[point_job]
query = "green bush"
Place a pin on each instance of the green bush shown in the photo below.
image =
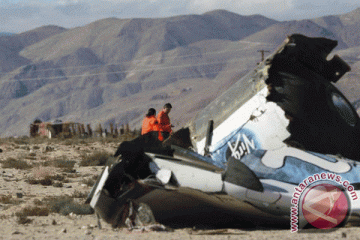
(33, 211)
(98, 158)
(63, 162)
(15, 163)
(66, 205)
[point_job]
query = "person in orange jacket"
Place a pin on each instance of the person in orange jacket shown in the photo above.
(164, 121)
(150, 125)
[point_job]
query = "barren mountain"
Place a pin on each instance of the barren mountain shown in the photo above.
(278, 32)
(12, 44)
(113, 70)
(5, 34)
(346, 26)
(349, 83)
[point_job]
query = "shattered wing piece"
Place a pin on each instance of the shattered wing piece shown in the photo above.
(299, 81)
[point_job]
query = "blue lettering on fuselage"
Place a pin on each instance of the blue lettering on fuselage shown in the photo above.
(237, 144)
(242, 146)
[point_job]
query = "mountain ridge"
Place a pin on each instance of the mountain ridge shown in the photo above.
(112, 70)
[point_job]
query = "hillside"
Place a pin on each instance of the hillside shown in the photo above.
(346, 26)
(113, 70)
(278, 32)
(5, 34)
(12, 44)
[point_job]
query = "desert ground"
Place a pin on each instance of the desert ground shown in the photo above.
(44, 184)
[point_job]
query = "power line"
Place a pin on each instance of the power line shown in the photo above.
(136, 70)
(150, 68)
(263, 54)
(136, 61)
(127, 71)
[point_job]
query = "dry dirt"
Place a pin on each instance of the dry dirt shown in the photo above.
(19, 193)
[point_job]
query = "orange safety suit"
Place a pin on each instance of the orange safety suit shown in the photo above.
(150, 124)
(164, 122)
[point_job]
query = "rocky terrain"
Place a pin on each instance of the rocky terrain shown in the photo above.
(44, 184)
(113, 70)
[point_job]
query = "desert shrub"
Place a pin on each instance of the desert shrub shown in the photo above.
(58, 184)
(33, 211)
(21, 140)
(77, 208)
(46, 181)
(8, 199)
(22, 219)
(68, 142)
(15, 163)
(88, 181)
(62, 162)
(58, 177)
(74, 140)
(98, 158)
(66, 205)
(41, 140)
(38, 202)
(78, 194)
(23, 214)
(49, 180)
(43, 175)
(42, 172)
(72, 175)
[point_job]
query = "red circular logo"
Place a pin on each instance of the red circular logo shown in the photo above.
(325, 206)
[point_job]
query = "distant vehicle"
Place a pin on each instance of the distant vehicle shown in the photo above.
(240, 160)
(56, 129)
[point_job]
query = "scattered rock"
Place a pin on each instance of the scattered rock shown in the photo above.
(9, 175)
(208, 232)
(54, 222)
(87, 232)
(16, 232)
(1, 150)
(58, 184)
(63, 230)
(186, 89)
(87, 227)
(19, 195)
(343, 234)
(48, 149)
(141, 230)
(156, 227)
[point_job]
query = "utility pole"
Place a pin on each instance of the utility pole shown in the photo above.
(263, 54)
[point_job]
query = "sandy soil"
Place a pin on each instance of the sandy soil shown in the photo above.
(15, 187)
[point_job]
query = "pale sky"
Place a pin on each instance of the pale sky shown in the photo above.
(21, 15)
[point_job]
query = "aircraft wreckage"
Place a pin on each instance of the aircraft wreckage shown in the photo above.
(250, 156)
